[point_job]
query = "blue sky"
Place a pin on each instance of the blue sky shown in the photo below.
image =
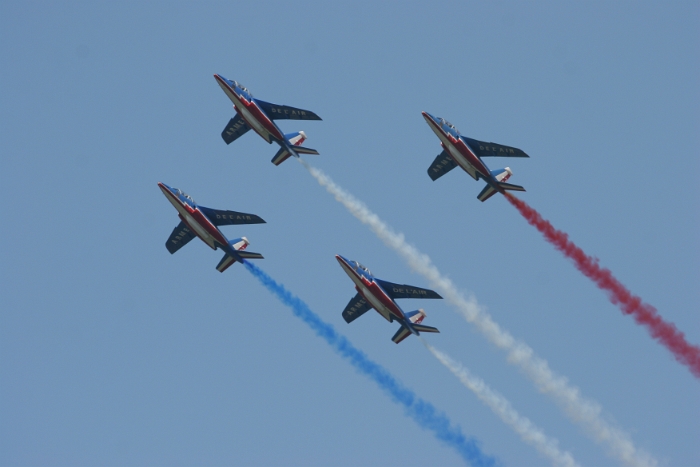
(114, 352)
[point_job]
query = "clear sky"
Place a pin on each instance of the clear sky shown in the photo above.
(114, 352)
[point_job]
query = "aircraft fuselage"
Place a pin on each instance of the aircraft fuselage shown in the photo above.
(253, 115)
(460, 151)
(198, 223)
(374, 294)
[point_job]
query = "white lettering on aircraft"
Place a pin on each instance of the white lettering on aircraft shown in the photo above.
(357, 306)
(496, 149)
(236, 217)
(286, 111)
(410, 291)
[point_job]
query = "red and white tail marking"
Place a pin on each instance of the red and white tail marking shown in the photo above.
(241, 245)
(503, 176)
(418, 317)
(298, 139)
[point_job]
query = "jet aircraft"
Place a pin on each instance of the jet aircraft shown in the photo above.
(260, 115)
(465, 152)
(381, 295)
(198, 221)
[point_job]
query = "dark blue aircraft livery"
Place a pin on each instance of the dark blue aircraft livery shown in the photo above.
(259, 115)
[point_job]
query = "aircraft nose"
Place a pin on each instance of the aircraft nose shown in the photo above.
(223, 80)
(167, 191)
(342, 260)
(427, 116)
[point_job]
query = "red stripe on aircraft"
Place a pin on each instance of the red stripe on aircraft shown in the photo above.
(263, 119)
(208, 226)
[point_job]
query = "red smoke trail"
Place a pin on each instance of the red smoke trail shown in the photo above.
(630, 304)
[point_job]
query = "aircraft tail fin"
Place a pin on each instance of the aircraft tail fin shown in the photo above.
(296, 138)
(416, 317)
(239, 244)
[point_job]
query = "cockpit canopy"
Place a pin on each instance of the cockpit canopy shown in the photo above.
(184, 196)
(358, 267)
(444, 123)
(242, 88)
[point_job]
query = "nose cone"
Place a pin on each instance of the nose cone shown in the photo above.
(165, 188)
(224, 83)
(342, 260)
(428, 118)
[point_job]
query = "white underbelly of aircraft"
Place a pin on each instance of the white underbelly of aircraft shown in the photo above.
(203, 234)
(462, 161)
(376, 304)
(252, 121)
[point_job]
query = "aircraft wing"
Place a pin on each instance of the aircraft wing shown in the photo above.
(406, 291)
(179, 238)
(236, 128)
(284, 112)
(442, 164)
(218, 217)
(493, 150)
(357, 307)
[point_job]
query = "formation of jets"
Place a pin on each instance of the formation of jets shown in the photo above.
(372, 293)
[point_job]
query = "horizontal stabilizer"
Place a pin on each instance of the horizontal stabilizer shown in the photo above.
(489, 190)
(220, 217)
(225, 262)
(228, 260)
(250, 255)
(405, 291)
(281, 156)
(486, 193)
(442, 164)
(511, 187)
(424, 328)
(404, 332)
(482, 149)
(303, 150)
(180, 236)
(235, 128)
(285, 112)
(401, 334)
(238, 244)
(357, 307)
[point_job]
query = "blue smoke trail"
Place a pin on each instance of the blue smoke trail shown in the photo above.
(424, 413)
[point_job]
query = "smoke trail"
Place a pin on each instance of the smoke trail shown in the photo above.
(581, 410)
(496, 402)
(619, 295)
(422, 412)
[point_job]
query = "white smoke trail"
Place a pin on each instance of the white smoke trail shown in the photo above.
(585, 412)
(522, 425)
